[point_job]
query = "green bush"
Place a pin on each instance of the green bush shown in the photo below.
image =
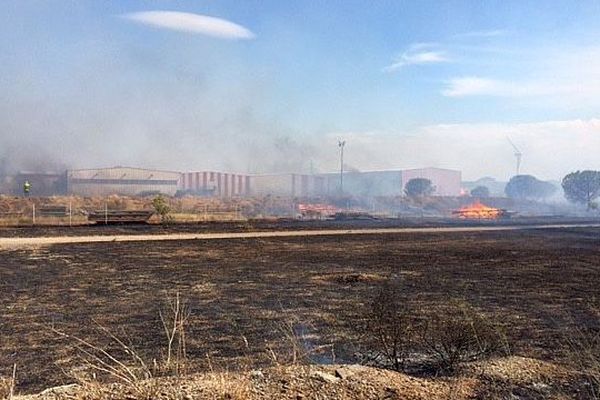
(162, 208)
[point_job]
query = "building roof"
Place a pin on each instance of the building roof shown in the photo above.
(122, 167)
(432, 169)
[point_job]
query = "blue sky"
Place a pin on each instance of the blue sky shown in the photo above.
(271, 85)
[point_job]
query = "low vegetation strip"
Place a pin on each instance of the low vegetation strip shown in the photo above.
(45, 241)
(331, 382)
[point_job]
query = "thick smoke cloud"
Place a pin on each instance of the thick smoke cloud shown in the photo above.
(123, 94)
(97, 111)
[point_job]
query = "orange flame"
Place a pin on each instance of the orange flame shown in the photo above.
(479, 211)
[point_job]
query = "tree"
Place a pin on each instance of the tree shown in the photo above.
(582, 187)
(528, 187)
(419, 187)
(480, 191)
(162, 208)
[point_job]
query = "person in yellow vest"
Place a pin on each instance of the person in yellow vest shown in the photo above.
(26, 188)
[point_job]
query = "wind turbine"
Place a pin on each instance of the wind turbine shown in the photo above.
(518, 154)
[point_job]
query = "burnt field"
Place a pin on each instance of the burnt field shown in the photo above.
(281, 224)
(538, 284)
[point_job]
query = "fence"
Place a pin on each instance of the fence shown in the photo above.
(35, 214)
(66, 215)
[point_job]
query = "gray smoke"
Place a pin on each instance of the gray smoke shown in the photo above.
(103, 102)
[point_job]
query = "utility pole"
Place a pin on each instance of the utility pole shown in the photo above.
(341, 144)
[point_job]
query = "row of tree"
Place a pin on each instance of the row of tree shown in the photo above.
(528, 187)
(580, 187)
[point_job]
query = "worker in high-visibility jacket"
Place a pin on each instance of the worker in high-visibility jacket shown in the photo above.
(26, 188)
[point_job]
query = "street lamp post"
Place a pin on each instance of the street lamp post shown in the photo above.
(341, 144)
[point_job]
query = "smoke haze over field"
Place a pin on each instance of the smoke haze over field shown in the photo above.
(268, 87)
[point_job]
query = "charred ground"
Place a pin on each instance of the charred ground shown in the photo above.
(538, 284)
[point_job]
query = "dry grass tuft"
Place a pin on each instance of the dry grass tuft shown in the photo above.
(7, 385)
(584, 346)
(297, 344)
(127, 366)
(174, 321)
(131, 369)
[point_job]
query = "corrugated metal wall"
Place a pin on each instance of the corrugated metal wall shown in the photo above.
(220, 184)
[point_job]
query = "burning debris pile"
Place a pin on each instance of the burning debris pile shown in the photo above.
(479, 210)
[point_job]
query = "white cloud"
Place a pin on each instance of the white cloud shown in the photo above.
(477, 86)
(473, 86)
(430, 53)
(418, 54)
(191, 23)
(576, 89)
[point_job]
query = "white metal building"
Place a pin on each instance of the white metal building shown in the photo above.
(447, 182)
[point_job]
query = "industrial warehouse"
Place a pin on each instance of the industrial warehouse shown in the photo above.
(120, 180)
(129, 181)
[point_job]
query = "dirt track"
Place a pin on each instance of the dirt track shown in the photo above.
(20, 242)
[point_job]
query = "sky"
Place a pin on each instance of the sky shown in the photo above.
(263, 86)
